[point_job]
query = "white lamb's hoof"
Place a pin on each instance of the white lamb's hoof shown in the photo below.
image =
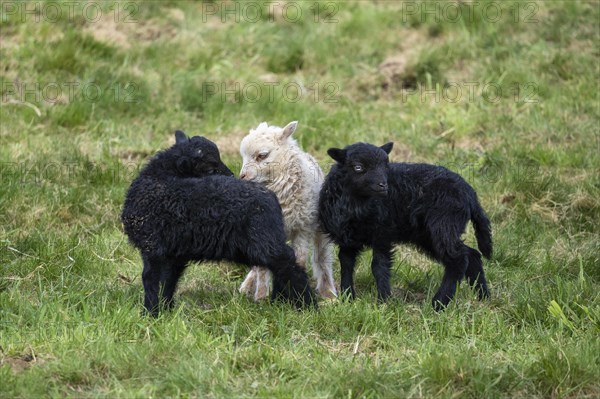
(261, 293)
(245, 289)
(248, 287)
(328, 301)
(327, 291)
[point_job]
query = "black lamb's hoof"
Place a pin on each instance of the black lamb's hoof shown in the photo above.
(440, 304)
(304, 299)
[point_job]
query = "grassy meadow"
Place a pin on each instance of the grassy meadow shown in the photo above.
(504, 93)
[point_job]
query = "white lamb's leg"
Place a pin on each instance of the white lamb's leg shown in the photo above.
(263, 283)
(322, 261)
(248, 287)
(301, 245)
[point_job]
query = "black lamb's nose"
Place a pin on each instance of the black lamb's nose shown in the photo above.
(383, 186)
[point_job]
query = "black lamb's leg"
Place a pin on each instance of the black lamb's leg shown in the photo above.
(290, 281)
(291, 284)
(455, 265)
(347, 258)
(380, 268)
(151, 282)
(475, 275)
(169, 276)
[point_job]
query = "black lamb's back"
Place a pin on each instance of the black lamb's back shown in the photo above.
(196, 216)
(423, 187)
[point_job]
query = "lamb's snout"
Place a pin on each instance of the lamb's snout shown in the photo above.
(248, 172)
(380, 188)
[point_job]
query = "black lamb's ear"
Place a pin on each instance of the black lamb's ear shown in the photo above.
(180, 137)
(387, 147)
(337, 154)
(184, 165)
(224, 170)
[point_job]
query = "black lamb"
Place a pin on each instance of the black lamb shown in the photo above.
(185, 205)
(366, 201)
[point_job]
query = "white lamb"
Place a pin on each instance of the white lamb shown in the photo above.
(273, 158)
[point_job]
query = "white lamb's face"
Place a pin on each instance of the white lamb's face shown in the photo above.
(264, 151)
(262, 157)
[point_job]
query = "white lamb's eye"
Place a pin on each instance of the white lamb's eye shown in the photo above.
(358, 168)
(261, 156)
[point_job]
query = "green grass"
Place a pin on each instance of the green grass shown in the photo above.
(526, 137)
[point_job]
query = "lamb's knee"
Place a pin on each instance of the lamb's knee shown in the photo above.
(453, 255)
(301, 259)
(301, 249)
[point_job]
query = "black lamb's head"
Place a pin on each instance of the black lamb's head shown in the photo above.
(363, 168)
(196, 157)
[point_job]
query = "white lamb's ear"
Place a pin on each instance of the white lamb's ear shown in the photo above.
(261, 127)
(289, 129)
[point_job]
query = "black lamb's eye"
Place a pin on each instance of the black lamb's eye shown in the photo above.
(358, 168)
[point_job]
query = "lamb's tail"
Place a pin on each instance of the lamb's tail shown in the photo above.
(483, 230)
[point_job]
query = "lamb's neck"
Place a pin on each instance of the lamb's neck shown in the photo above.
(154, 171)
